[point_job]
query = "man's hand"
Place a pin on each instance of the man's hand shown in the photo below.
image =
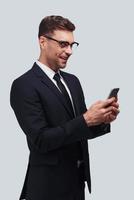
(102, 112)
(113, 115)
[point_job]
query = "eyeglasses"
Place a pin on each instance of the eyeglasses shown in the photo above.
(64, 44)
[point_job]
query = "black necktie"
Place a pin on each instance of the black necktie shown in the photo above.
(63, 91)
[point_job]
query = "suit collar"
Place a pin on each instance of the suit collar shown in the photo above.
(47, 70)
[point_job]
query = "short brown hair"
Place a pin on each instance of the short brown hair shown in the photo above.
(51, 23)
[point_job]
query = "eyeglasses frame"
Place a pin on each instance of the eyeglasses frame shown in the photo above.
(60, 41)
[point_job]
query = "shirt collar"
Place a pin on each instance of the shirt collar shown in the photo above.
(49, 72)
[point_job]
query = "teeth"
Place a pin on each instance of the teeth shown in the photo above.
(64, 58)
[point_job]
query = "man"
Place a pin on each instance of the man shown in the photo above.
(50, 108)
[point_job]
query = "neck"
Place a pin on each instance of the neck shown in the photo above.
(43, 61)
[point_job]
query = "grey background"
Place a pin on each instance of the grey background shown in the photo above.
(104, 60)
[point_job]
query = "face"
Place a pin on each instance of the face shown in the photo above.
(52, 54)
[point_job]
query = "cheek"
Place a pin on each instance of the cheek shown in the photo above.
(59, 53)
(53, 53)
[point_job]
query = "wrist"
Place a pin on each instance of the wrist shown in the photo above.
(87, 119)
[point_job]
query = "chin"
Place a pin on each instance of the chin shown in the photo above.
(62, 66)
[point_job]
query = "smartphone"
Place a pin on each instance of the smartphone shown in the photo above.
(113, 93)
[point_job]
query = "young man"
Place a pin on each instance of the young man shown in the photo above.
(50, 108)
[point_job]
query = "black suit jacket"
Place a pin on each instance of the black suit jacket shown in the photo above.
(50, 130)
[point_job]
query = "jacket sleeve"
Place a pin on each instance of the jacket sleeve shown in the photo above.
(97, 130)
(30, 114)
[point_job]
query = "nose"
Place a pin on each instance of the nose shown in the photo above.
(69, 50)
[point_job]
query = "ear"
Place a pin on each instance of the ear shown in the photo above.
(42, 42)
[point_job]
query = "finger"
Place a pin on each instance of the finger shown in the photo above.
(107, 114)
(115, 104)
(107, 102)
(110, 118)
(116, 98)
(110, 109)
(115, 111)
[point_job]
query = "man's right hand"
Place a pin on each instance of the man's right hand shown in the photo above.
(100, 111)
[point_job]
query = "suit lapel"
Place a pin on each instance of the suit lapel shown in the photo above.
(47, 81)
(72, 89)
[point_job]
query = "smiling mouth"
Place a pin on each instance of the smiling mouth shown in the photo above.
(63, 58)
